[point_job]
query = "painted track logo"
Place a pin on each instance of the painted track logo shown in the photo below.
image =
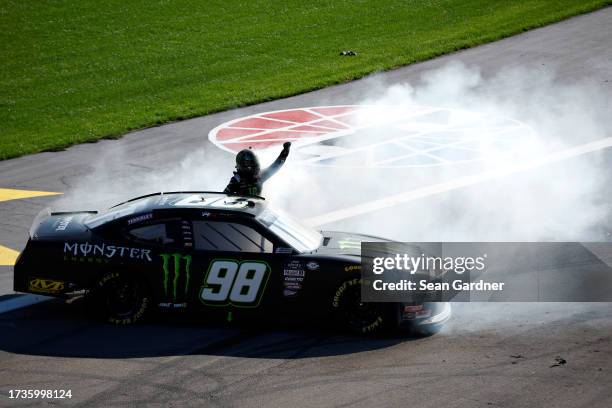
(378, 136)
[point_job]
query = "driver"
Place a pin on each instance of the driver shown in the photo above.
(248, 179)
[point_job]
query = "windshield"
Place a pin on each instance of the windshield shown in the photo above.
(300, 237)
(117, 212)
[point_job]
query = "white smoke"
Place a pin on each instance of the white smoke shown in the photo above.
(560, 201)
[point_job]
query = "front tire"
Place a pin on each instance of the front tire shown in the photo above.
(352, 314)
(121, 299)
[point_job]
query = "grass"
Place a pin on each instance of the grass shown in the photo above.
(77, 71)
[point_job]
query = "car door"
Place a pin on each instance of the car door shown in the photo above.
(170, 241)
(241, 269)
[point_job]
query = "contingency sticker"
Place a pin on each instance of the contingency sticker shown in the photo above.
(293, 277)
(45, 285)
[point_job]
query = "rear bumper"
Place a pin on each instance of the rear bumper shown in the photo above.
(442, 315)
(33, 274)
(19, 277)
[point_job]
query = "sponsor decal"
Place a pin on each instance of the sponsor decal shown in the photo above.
(294, 268)
(168, 305)
(63, 223)
(423, 313)
(351, 268)
(414, 314)
(313, 266)
(45, 285)
(289, 293)
(179, 265)
(140, 218)
(349, 243)
(292, 272)
(292, 285)
(105, 251)
(293, 276)
(187, 234)
(410, 311)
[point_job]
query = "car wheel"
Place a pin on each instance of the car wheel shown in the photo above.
(121, 299)
(352, 314)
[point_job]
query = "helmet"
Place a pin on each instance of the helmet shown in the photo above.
(247, 163)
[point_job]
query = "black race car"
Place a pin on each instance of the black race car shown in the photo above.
(228, 257)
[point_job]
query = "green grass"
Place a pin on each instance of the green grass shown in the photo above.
(77, 71)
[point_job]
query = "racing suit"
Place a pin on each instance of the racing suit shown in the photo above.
(251, 184)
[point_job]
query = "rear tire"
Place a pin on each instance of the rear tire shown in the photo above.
(352, 314)
(121, 299)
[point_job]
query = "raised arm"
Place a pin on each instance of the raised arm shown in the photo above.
(278, 163)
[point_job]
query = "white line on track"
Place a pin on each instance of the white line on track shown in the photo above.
(396, 199)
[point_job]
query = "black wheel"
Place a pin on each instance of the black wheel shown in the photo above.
(121, 299)
(353, 314)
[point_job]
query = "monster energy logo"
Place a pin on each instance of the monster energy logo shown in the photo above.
(176, 266)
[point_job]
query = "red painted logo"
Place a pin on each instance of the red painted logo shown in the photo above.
(376, 136)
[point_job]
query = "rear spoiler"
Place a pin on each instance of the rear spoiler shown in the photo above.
(46, 212)
(73, 212)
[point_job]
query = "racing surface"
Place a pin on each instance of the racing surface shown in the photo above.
(480, 360)
(489, 354)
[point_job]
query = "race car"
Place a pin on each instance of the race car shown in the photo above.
(226, 257)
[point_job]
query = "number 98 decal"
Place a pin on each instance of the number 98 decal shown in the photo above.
(229, 282)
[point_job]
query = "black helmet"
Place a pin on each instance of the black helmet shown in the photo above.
(247, 163)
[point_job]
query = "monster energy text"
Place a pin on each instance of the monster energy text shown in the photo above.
(107, 251)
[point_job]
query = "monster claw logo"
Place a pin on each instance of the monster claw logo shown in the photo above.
(177, 261)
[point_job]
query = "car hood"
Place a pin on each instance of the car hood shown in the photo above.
(345, 243)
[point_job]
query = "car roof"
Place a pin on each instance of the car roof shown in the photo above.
(204, 201)
(199, 200)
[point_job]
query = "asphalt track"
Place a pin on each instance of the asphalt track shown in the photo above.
(489, 355)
